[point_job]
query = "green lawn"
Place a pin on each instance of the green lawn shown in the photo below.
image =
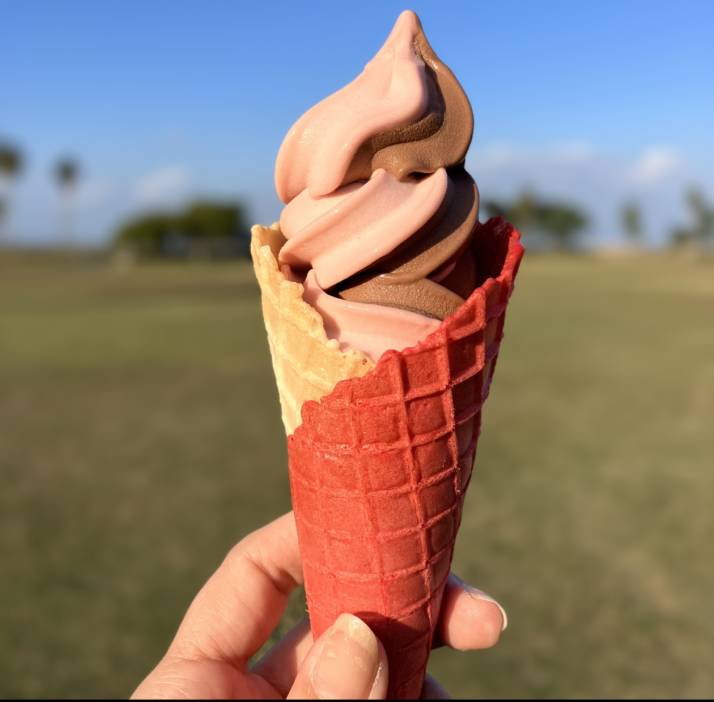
(140, 438)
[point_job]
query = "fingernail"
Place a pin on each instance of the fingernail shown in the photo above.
(481, 595)
(348, 664)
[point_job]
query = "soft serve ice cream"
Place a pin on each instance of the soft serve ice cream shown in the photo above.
(380, 211)
(384, 303)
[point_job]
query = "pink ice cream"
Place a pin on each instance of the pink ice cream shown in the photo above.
(390, 92)
(379, 211)
(343, 233)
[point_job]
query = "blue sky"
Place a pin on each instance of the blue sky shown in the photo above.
(162, 101)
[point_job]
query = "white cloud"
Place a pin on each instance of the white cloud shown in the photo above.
(502, 155)
(655, 164)
(497, 155)
(571, 152)
(93, 194)
(163, 187)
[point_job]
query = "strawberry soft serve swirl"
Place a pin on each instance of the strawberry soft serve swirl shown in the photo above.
(379, 211)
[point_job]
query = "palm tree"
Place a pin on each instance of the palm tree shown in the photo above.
(632, 221)
(66, 174)
(10, 167)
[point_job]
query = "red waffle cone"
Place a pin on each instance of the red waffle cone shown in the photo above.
(379, 468)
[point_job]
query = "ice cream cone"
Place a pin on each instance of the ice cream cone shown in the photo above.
(307, 365)
(379, 464)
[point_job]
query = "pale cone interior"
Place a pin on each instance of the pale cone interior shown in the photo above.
(307, 365)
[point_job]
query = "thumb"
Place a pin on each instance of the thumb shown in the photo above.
(346, 662)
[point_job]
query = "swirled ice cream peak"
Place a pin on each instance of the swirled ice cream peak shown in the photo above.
(390, 92)
(379, 211)
(406, 113)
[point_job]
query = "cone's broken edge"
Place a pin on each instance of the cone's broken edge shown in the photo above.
(306, 363)
(380, 465)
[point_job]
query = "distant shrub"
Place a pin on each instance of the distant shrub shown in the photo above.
(204, 229)
(699, 234)
(545, 223)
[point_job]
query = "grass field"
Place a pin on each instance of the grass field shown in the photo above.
(140, 438)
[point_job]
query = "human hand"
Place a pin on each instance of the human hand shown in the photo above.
(241, 604)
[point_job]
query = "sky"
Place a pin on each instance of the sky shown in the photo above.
(160, 102)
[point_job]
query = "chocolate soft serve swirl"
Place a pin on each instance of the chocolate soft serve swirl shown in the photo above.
(379, 210)
(441, 137)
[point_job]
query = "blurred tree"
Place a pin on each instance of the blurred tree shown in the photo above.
(147, 235)
(11, 162)
(204, 228)
(558, 222)
(66, 174)
(526, 210)
(632, 222)
(3, 211)
(680, 237)
(701, 231)
(703, 212)
(521, 212)
(214, 220)
(495, 208)
(562, 222)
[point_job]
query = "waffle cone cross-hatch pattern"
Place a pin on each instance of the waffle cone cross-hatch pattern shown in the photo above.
(380, 464)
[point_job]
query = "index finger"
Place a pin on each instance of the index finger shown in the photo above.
(236, 610)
